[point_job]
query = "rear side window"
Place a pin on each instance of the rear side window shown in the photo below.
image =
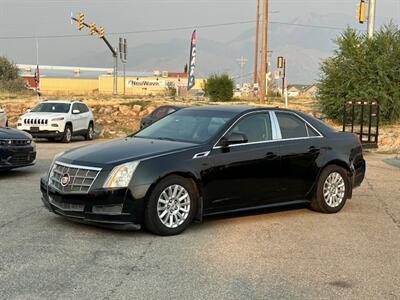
(293, 127)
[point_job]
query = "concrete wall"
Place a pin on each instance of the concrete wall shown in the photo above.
(68, 85)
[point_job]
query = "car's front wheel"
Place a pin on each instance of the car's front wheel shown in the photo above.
(67, 136)
(171, 206)
(332, 190)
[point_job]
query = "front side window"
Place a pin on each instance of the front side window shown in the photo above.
(256, 128)
(52, 107)
(193, 126)
(83, 108)
(293, 127)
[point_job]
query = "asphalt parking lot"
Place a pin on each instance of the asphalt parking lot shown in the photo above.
(274, 254)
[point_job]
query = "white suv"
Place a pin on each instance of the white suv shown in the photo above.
(58, 120)
(3, 118)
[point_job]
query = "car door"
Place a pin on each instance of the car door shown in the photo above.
(85, 115)
(77, 118)
(243, 175)
(299, 148)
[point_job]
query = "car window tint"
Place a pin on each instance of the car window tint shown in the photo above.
(159, 113)
(291, 126)
(75, 106)
(257, 128)
(170, 110)
(83, 108)
(311, 131)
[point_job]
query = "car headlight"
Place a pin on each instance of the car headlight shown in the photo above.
(121, 175)
(5, 142)
(58, 119)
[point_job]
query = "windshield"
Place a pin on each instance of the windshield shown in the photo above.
(52, 107)
(192, 126)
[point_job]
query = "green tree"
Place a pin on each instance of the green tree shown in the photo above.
(363, 69)
(9, 78)
(219, 87)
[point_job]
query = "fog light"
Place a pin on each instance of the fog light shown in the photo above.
(107, 209)
(54, 125)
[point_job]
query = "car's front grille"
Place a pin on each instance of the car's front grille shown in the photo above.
(71, 178)
(36, 121)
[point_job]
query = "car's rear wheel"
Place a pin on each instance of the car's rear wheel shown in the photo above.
(171, 206)
(332, 190)
(90, 132)
(67, 137)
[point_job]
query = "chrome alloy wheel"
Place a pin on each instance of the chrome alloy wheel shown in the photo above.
(334, 189)
(173, 206)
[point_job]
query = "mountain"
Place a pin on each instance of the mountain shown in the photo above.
(302, 45)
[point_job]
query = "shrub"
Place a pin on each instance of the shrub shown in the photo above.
(363, 69)
(9, 79)
(219, 87)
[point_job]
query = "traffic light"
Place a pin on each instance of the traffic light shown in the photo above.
(92, 28)
(280, 62)
(361, 12)
(81, 18)
(101, 32)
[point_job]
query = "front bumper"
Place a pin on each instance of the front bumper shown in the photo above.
(45, 134)
(106, 208)
(17, 157)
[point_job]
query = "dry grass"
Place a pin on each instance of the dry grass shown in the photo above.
(116, 121)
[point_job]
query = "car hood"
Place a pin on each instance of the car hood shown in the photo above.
(115, 152)
(10, 133)
(43, 115)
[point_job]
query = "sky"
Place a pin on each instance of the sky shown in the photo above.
(51, 17)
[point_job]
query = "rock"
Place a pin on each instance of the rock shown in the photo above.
(108, 110)
(137, 108)
(125, 110)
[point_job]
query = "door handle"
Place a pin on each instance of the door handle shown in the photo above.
(313, 149)
(270, 155)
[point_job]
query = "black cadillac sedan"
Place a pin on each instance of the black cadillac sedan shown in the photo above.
(206, 160)
(17, 149)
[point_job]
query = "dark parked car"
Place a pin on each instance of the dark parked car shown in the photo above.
(17, 149)
(159, 113)
(206, 160)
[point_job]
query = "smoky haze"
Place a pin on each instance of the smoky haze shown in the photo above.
(51, 17)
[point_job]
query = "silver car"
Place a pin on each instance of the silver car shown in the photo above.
(3, 118)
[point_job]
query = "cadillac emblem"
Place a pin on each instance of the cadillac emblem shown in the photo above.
(65, 180)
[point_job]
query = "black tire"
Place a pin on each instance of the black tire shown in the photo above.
(90, 132)
(67, 136)
(319, 202)
(151, 218)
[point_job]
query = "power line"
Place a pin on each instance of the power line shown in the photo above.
(168, 29)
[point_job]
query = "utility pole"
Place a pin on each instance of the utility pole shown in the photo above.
(264, 47)
(242, 62)
(255, 76)
(371, 17)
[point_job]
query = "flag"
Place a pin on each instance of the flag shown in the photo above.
(192, 62)
(37, 78)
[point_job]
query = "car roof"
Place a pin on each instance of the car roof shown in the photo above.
(236, 108)
(61, 101)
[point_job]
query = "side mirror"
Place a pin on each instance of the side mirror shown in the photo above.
(76, 112)
(2, 111)
(233, 139)
(28, 110)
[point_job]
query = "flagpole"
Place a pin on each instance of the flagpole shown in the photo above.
(37, 68)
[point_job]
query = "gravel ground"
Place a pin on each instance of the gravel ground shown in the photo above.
(272, 254)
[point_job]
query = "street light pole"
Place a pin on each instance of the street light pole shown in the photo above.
(263, 83)
(255, 76)
(371, 17)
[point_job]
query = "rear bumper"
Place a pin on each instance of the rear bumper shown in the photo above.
(106, 208)
(359, 173)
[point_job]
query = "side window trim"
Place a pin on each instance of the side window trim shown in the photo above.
(320, 135)
(237, 121)
(276, 130)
